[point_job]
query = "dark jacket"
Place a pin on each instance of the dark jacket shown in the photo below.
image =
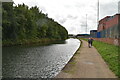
(90, 41)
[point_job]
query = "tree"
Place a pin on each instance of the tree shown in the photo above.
(21, 22)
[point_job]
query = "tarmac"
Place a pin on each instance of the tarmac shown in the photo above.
(86, 63)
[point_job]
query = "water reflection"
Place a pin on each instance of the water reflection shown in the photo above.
(37, 61)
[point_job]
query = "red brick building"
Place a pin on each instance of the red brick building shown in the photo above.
(109, 30)
(107, 22)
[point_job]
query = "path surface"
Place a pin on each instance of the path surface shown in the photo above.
(87, 63)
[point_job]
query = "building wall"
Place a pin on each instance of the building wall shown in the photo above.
(102, 23)
(109, 40)
(112, 21)
(108, 22)
(112, 32)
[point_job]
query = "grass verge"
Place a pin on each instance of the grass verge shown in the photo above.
(110, 55)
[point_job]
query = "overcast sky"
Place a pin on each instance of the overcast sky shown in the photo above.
(72, 13)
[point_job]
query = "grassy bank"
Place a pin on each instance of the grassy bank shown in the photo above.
(110, 55)
(42, 41)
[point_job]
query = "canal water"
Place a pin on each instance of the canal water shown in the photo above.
(37, 61)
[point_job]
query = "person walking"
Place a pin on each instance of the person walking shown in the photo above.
(90, 41)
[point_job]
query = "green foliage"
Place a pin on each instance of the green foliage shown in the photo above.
(21, 22)
(109, 54)
(8, 17)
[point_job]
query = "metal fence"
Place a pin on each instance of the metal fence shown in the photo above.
(112, 32)
(93, 33)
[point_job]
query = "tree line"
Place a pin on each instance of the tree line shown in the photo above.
(21, 22)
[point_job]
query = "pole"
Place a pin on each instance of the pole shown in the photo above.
(86, 23)
(98, 14)
(119, 7)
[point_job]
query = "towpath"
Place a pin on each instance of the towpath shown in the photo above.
(86, 63)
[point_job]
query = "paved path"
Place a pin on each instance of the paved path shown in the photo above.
(87, 63)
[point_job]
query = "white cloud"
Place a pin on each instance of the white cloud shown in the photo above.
(72, 13)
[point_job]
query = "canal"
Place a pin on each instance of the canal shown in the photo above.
(37, 61)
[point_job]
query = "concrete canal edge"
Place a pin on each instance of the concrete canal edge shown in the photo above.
(71, 62)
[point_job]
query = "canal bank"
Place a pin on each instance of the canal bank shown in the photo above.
(86, 63)
(43, 41)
